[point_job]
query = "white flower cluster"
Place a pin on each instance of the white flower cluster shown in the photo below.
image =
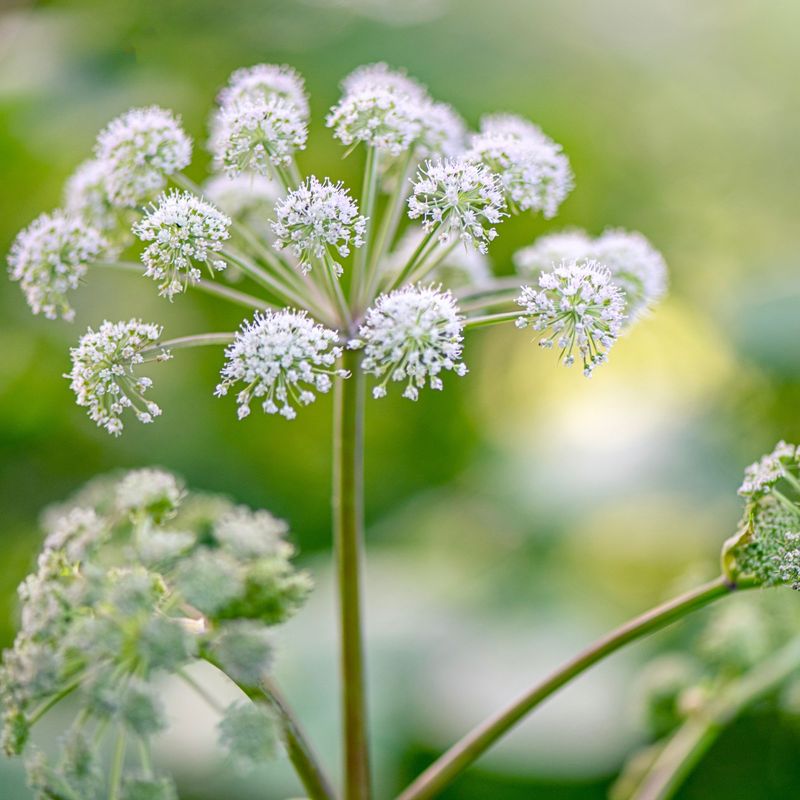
(255, 135)
(458, 198)
(761, 476)
(577, 308)
(183, 231)
(266, 82)
(154, 492)
(85, 196)
(389, 111)
(103, 377)
(50, 257)
(283, 357)
(138, 150)
(242, 196)
(315, 218)
(534, 173)
(635, 265)
(412, 335)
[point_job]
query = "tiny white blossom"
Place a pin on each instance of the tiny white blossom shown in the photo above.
(412, 335)
(103, 376)
(461, 266)
(762, 475)
(577, 308)
(316, 218)
(283, 357)
(381, 118)
(266, 82)
(50, 257)
(139, 149)
(535, 174)
(183, 231)
(254, 135)
(456, 197)
(549, 251)
(636, 267)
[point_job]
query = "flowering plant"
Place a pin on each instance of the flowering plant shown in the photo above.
(138, 577)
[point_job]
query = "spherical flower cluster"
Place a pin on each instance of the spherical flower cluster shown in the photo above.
(50, 257)
(255, 135)
(512, 125)
(85, 196)
(382, 76)
(635, 265)
(412, 335)
(283, 357)
(378, 116)
(266, 82)
(126, 595)
(458, 198)
(316, 218)
(534, 173)
(577, 308)
(138, 150)
(442, 131)
(461, 267)
(103, 376)
(183, 231)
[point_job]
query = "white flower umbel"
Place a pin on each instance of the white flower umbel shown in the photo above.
(156, 492)
(578, 308)
(411, 336)
(139, 150)
(183, 231)
(458, 198)
(283, 358)
(461, 267)
(381, 75)
(85, 195)
(266, 82)
(50, 257)
(551, 250)
(535, 174)
(443, 132)
(316, 219)
(103, 376)
(257, 135)
(636, 267)
(761, 476)
(384, 119)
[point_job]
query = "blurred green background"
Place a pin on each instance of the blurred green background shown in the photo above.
(524, 510)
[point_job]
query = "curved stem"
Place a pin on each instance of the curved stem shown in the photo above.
(694, 738)
(481, 738)
(196, 340)
(348, 445)
(490, 319)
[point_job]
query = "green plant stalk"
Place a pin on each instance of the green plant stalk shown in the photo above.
(369, 191)
(695, 737)
(348, 473)
(445, 769)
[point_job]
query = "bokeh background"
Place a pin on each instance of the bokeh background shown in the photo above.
(524, 510)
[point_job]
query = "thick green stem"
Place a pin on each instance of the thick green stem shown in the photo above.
(694, 738)
(480, 739)
(368, 195)
(348, 445)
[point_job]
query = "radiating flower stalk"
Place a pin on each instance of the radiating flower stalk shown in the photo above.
(344, 293)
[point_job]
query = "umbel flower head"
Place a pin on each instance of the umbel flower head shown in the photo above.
(636, 266)
(534, 173)
(512, 125)
(316, 219)
(138, 151)
(103, 376)
(137, 579)
(265, 82)
(453, 197)
(283, 358)
(411, 336)
(766, 546)
(183, 231)
(255, 135)
(50, 257)
(382, 76)
(577, 308)
(85, 196)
